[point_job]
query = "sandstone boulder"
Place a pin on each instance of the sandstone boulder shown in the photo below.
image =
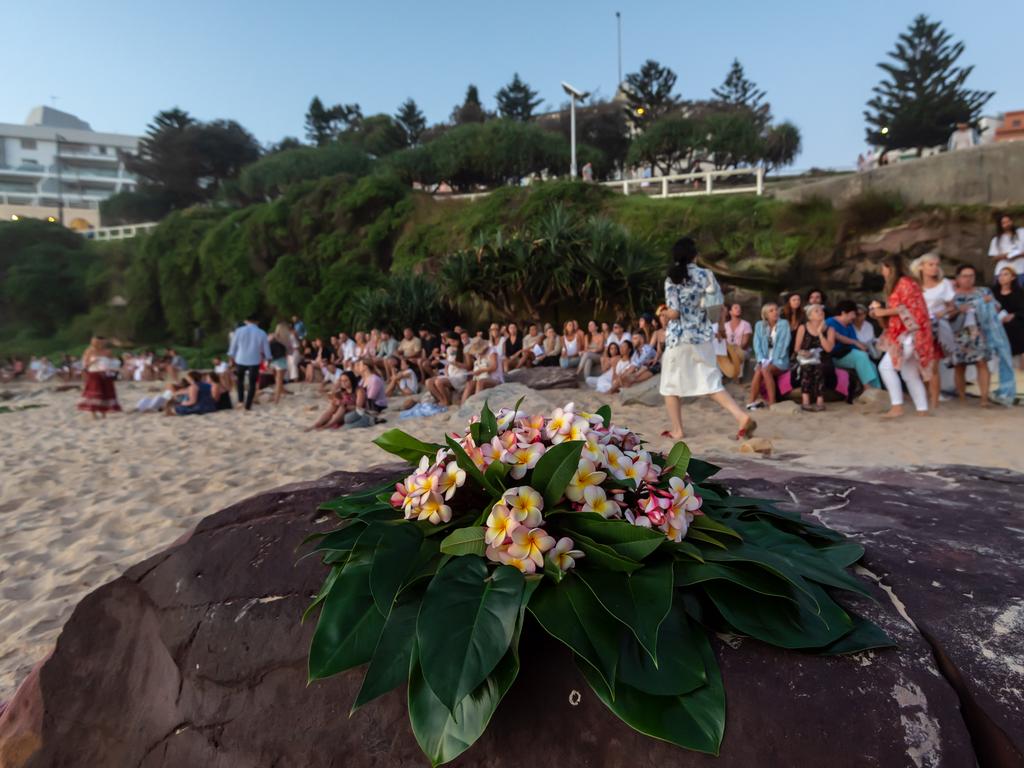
(197, 657)
(546, 377)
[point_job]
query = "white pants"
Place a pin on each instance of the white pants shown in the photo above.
(910, 370)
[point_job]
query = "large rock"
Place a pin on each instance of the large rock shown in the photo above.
(644, 393)
(504, 396)
(545, 377)
(197, 657)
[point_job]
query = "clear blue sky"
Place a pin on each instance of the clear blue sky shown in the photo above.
(116, 63)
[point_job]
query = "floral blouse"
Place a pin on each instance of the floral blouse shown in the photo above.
(692, 326)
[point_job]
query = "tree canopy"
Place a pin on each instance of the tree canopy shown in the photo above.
(923, 94)
(412, 121)
(517, 100)
(471, 110)
(323, 124)
(650, 92)
(739, 91)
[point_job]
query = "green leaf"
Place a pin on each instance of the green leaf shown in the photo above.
(465, 541)
(695, 720)
(605, 412)
(603, 556)
(406, 446)
(758, 580)
(466, 624)
(555, 469)
(680, 668)
(465, 463)
(678, 460)
(805, 623)
(864, 636)
(696, 534)
(443, 735)
(708, 524)
(640, 600)
(488, 425)
(389, 666)
(350, 624)
(628, 540)
(569, 612)
(701, 470)
(393, 559)
(495, 476)
(325, 588)
(357, 504)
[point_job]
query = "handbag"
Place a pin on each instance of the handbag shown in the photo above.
(711, 300)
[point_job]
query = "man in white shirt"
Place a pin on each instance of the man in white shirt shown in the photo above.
(347, 350)
(249, 346)
(617, 336)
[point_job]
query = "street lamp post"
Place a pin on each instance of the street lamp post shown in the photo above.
(60, 184)
(574, 93)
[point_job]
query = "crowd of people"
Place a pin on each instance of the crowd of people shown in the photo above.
(924, 335)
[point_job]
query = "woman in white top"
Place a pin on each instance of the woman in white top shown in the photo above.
(1008, 247)
(865, 331)
(938, 296)
(574, 343)
(614, 365)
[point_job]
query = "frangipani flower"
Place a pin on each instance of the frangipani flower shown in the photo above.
(452, 478)
(683, 495)
(560, 424)
(530, 544)
(434, 509)
(524, 564)
(523, 458)
(579, 429)
(592, 450)
(586, 475)
(636, 471)
(500, 524)
(563, 555)
(526, 505)
(613, 458)
(595, 500)
(398, 497)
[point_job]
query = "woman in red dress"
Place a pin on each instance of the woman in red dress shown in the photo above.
(908, 343)
(98, 394)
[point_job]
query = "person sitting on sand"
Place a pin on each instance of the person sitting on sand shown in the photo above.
(849, 351)
(197, 400)
(404, 380)
(814, 340)
(612, 364)
(485, 374)
(771, 351)
(342, 400)
(456, 373)
(220, 390)
(523, 358)
(640, 362)
(551, 348)
(592, 351)
(573, 344)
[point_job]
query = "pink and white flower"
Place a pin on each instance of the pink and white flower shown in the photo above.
(563, 556)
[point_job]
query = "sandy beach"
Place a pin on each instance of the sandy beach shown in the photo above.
(81, 500)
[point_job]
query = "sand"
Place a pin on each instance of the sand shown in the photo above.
(82, 500)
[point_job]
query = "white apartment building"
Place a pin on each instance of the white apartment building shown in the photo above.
(56, 166)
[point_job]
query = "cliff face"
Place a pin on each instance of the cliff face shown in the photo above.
(988, 175)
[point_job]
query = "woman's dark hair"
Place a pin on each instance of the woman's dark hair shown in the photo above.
(608, 350)
(962, 267)
(999, 224)
(684, 251)
(824, 298)
(898, 269)
(352, 379)
(622, 348)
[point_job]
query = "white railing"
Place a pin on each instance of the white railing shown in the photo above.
(690, 184)
(118, 233)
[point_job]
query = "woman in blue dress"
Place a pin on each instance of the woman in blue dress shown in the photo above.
(198, 398)
(688, 366)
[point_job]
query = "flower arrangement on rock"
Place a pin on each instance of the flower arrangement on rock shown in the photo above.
(567, 523)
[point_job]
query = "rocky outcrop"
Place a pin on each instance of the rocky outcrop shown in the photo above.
(545, 377)
(197, 657)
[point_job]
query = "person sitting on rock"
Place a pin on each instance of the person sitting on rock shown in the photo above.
(850, 352)
(772, 338)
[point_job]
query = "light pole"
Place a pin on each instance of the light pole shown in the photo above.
(574, 93)
(60, 184)
(618, 20)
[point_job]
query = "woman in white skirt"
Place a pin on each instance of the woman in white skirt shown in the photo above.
(688, 366)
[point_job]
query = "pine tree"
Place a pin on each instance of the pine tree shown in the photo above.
(649, 92)
(517, 100)
(737, 90)
(323, 124)
(471, 110)
(923, 96)
(412, 121)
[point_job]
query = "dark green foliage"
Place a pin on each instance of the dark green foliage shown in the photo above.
(666, 144)
(923, 95)
(517, 100)
(870, 211)
(272, 175)
(182, 161)
(377, 135)
(324, 124)
(781, 146)
(412, 121)
(470, 110)
(738, 91)
(43, 273)
(148, 204)
(650, 90)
